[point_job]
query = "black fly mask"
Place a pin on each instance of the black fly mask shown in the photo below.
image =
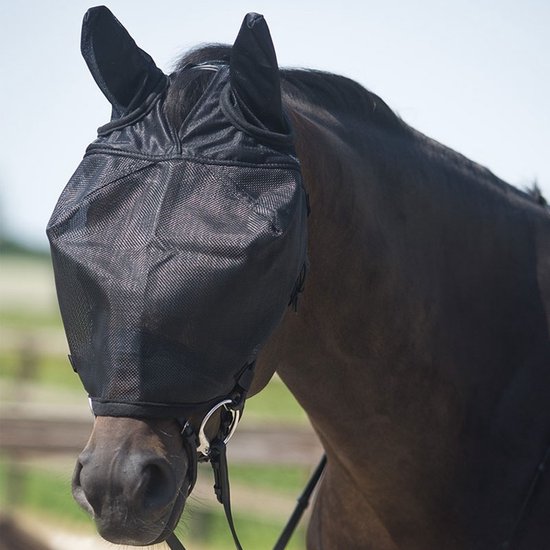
(177, 250)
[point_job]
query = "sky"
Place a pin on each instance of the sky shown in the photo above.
(474, 74)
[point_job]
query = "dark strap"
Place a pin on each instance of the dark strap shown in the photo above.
(535, 482)
(218, 460)
(174, 543)
(301, 505)
(190, 444)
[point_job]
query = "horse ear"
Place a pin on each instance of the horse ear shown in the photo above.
(255, 73)
(125, 74)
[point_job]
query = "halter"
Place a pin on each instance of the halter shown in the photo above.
(228, 405)
(200, 449)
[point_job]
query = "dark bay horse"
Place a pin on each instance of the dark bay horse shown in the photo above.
(420, 348)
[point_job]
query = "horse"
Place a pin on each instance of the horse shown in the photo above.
(419, 347)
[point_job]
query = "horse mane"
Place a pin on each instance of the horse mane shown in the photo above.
(339, 93)
(187, 86)
(535, 193)
(328, 91)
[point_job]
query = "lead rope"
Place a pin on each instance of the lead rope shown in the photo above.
(301, 505)
(221, 487)
(535, 482)
(174, 543)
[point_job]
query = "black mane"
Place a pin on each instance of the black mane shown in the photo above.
(535, 193)
(318, 88)
(188, 86)
(323, 89)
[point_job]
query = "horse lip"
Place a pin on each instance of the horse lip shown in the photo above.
(112, 533)
(119, 521)
(78, 492)
(177, 510)
(178, 506)
(120, 526)
(111, 530)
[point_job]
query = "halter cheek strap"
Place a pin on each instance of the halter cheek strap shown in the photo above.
(190, 444)
(200, 449)
(218, 459)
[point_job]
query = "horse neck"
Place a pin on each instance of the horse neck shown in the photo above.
(333, 354)
(382, 354)
(399, 242)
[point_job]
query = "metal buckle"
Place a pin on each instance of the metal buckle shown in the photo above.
(204, 445)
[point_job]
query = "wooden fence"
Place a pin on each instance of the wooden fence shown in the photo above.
(37, 432)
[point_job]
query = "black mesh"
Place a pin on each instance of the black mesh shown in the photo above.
(175, 257)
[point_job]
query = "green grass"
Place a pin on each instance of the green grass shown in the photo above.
(53, 371)
(275, 403)
(39, 491)
(287, 480)
(24, 319)
(12, 250)
(211, 528)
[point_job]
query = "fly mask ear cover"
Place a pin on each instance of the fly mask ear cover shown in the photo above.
(176, 250)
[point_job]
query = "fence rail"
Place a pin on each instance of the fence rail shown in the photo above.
(22, 434)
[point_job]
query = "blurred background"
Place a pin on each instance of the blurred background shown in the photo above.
(474, 75)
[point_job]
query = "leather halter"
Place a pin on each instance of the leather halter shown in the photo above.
(200, 449)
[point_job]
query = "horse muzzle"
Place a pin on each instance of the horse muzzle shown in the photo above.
(135, 493)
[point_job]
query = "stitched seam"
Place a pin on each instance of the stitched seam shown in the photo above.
(99, 149)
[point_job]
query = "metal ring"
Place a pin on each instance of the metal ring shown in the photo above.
(204, 445)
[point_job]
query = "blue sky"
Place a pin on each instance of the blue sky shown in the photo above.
(474, 75)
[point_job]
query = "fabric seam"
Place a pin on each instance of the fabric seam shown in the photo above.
(98, 149)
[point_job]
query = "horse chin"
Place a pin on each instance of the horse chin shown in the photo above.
(132, 479)
(119, 525)
(121, 528)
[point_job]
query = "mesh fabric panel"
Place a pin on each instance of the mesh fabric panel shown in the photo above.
(172, 270)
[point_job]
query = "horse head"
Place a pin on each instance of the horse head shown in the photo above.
(177, 248)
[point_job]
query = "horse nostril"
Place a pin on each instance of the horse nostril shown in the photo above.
(157, 486)
(78, 491)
